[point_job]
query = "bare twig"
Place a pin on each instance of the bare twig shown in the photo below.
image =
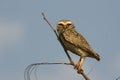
(49, 24)
(33, 67)
(84, 75)
(71, 61)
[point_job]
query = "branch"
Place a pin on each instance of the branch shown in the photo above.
(84, 75)
(71, 61)
(33, 67)
(49, 24)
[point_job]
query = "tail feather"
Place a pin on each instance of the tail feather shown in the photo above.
(97, 57)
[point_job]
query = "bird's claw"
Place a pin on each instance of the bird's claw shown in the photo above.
(78, 68)
(80, 71)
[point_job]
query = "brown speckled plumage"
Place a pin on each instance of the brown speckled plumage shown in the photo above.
(74, 41)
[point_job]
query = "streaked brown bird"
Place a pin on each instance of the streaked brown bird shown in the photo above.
(75, 42)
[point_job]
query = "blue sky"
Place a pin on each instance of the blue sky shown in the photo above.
(25, 38)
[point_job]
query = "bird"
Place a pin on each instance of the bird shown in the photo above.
(75, 42)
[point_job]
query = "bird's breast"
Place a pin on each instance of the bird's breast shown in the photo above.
(69, 46)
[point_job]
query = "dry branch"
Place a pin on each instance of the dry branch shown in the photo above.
(33, 67)
(70, 59)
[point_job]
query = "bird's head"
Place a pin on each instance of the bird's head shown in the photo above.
(64, 25)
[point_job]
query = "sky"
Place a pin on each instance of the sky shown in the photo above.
(25, 38)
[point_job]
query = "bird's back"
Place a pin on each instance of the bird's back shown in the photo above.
(76, 41)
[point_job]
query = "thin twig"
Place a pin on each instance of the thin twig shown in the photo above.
(33, 67)
(71, 61)
(84, 75)
(49, 24)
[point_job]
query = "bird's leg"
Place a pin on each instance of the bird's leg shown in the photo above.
(78, 66)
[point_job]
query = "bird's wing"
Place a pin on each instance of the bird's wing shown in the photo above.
(79, 41)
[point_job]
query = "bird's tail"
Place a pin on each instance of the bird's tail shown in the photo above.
(97, 57)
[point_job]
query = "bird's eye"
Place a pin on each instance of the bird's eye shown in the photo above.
(69, 24)
(60, 24)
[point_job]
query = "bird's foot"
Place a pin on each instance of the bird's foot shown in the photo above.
(80, 71)
(78, 68)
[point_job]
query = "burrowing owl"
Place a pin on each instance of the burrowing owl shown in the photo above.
(75, 42)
